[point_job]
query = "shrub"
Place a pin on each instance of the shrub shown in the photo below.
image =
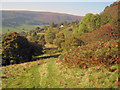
(98, 53)
(71, 42)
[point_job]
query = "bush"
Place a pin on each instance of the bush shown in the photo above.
(71, 42)
(98, 53)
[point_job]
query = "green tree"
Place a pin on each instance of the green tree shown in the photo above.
(59, 39)
(89, 23)
(49, 36)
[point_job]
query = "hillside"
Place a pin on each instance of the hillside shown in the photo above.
(77, 54)
(16, 18)
(46, 73)
(20, 21)
(110, 13)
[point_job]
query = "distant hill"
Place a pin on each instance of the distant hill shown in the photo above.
(17, 18)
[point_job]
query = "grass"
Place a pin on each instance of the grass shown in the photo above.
(24, 75)
(19, 28)
(50, 46)
(5, 30)
(93, 77)
(47, 73)
(29, 79)
(46, 55)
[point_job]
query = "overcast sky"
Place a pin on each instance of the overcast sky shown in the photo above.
(79, 8)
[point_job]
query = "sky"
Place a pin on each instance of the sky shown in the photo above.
(74, 7)
(58, 0)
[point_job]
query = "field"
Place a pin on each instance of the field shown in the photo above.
(47, 73)
(18, 29)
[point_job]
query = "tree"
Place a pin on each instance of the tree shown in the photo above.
(37, 28)
(49, 36)
(34, 34)
(59, 39)
(89, 23)
(36, 49)
(65, 23)
(42, 39)
(51, 24)
(17, 48)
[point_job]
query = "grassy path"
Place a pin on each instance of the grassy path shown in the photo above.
(48, 74)
(52, 76)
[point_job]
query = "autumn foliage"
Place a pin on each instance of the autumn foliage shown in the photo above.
(101, 40)
(97, 53)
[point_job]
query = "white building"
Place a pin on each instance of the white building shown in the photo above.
(62, 26)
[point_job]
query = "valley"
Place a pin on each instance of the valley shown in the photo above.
(51, 50)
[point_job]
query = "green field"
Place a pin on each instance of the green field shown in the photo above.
(46, 73)
(19, 28)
